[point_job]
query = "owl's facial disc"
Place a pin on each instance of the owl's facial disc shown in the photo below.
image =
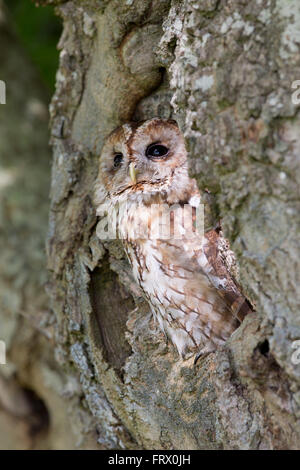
(142, 158)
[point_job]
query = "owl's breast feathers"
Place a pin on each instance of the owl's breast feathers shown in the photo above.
(189, 287)
(186, 275)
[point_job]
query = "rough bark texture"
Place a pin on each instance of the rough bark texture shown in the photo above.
(36, 395)
(224, 70)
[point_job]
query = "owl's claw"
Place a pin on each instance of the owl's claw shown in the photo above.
(201, 355)
(197, 357)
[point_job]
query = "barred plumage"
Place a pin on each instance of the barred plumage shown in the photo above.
(143, 172)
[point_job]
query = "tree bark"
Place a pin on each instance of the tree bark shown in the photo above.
(224, 70)
(36, 395)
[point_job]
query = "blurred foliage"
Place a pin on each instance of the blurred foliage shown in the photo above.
(39, 30)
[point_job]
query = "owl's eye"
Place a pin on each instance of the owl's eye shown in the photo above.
(118, 159)
(156, 151)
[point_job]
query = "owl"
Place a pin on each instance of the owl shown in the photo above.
(183, 273)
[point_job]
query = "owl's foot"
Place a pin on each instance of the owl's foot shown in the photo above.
(201, 355)
(208, 349)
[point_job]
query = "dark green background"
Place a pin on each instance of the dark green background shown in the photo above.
(39, 30)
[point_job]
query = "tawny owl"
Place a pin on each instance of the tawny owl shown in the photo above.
(143, 178)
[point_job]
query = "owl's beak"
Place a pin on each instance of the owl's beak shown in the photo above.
(132, 172)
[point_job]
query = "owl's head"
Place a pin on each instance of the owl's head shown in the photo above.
(142, 160)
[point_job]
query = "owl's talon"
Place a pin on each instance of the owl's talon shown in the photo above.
(197, 357)
(201, 355)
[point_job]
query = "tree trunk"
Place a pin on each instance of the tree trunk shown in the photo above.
(34, 407)
(223, 69)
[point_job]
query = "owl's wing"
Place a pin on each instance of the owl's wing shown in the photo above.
(210, 289)
(215, 249)
(212, 255)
